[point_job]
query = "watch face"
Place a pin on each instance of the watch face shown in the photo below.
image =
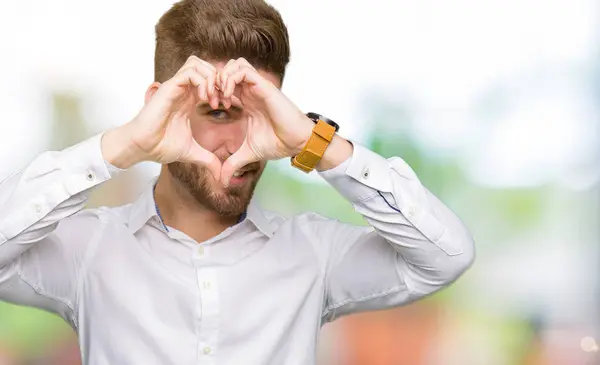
(315, 117)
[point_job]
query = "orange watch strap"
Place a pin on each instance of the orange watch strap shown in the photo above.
(314, 149)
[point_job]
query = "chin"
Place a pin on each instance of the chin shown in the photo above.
(230, 201)
(209, 193)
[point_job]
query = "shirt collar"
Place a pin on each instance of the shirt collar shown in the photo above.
(143, 210)
(256, 215)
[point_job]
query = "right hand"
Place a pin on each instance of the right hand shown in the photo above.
(161, 132)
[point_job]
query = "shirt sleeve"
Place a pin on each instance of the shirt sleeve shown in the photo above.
(43, 230)
(415, 244)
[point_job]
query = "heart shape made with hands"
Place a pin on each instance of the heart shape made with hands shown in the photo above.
(276, 128)
(162, 131)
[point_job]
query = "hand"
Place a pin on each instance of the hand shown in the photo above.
(276, 127)
(161, 132)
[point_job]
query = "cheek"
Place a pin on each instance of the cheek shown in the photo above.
(207, 135)
(235, 132)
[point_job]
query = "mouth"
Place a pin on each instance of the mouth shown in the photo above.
(241, 176)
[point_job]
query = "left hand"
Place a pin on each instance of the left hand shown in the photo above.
(276, 127)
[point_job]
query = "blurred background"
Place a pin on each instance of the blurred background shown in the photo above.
(494, 103)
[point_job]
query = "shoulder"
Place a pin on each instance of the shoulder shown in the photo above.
(90, 220)
(306, 220)
(318, 229)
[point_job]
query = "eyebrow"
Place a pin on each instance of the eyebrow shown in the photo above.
(207, 107)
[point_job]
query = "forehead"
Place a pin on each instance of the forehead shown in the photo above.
(273, 78)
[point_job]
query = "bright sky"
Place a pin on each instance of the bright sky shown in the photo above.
(445, 57)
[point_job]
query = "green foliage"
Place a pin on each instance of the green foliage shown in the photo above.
(27, 330)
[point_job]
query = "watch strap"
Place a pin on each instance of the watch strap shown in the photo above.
(314, 149)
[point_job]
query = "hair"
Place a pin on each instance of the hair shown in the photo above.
(220, 30)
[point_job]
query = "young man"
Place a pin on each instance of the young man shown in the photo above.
(194, 272)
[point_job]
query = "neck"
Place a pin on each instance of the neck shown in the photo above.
(181, 211)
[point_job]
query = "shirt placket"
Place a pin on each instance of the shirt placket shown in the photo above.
(208, 321)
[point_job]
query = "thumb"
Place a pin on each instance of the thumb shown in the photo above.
(239, 159)
(198, 154)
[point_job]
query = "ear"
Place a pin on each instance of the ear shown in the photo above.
(151, 91)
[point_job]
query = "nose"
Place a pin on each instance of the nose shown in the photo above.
(232, 135)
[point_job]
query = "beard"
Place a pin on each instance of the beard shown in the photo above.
(227, 202)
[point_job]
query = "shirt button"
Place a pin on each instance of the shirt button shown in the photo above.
(206, 285)
(206, 350)
(38, 209)
(200, 251)
(366, 173)
(89, 175)
(411, 212)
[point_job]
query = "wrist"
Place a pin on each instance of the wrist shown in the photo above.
(338, 151)
(118, 150)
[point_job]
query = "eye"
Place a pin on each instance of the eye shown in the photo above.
(218, 114)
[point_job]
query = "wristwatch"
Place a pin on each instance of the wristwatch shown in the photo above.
(314, 149)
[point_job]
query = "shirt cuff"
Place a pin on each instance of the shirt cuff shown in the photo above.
(84, 165)
(361, 176)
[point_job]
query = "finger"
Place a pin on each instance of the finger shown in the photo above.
(233, 80)
(201, 88)
(206, 69)
(236, 100)
(179, 84)
(230, 86)
(223, 76)
(226, 101)
(213, 93)
(195, 61)
(243, 74)
(244, 63)
(210, 84)
(214, 101)
(199, 155)
(240, 63)
(229, 67)
(239, 159)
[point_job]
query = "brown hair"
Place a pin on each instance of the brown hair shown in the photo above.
(220, 30)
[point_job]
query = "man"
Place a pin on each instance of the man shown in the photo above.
(194, 272)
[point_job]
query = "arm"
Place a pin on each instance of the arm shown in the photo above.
(415, 246)
(43, 237)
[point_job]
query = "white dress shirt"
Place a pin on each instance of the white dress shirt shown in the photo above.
(256, 294)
